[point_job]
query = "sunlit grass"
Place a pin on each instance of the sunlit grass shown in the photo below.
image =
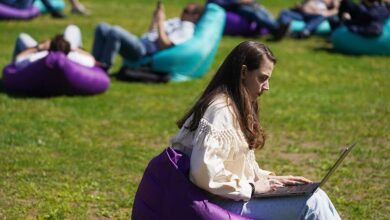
(83, 157)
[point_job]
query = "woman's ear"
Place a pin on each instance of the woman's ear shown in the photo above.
(244, 71)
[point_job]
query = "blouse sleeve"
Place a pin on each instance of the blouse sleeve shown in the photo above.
(209, 156)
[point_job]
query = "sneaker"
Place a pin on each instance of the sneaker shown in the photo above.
(301, 34)
(281, 32)
(58, 14)
(102, 66)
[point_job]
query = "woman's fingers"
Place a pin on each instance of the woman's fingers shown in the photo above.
(296, 180)
(301, 179)
(276, 183)
(290, 180)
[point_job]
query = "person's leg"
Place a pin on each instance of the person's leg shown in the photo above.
(54, 13)
(313, 21)
(99, 42)
(286, 16)
(23, 42)
(72, 34)
(113, 40)
(258, 14)
(267, 208)
(319, 206)
(127, 44)
(78, 8)
(316, 206)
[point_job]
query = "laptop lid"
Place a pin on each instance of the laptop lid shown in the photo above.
(311, 187)
(344, 153)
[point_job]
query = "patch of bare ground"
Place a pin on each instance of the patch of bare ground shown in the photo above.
(298, 158)
(92, 214)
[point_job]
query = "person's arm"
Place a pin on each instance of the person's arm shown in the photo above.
(333, 9)
(208, 170)
(365, 14)
(309, 7)
(40, 47)
(153, 23)
(163, 40)
(262, 181)
(380, 13)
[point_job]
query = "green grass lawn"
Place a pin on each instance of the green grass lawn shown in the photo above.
(83, 157)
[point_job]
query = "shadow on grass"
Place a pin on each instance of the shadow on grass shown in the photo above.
(1, 86)
(141, 75)
(21, 95)
(2, 90)
(331, 50)
(326, 49)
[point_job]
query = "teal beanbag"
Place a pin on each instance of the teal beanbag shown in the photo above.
(322, 29)
(58, 5)
(192, 58)
(347, 42)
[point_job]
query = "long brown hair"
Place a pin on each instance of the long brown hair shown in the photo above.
(228, 81)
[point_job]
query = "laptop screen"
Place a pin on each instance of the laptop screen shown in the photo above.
(338, 162)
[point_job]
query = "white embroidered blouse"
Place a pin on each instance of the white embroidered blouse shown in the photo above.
(221, 162)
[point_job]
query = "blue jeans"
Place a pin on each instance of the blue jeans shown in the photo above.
(259, 14)
(316, 206)
(22, 4)
(111, 40)
(312, 20)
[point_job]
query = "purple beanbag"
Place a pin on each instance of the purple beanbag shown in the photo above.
(165, 192)
(237, 25)
(7, 12)
(55, 75)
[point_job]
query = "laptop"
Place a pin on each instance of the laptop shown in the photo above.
(306, 189)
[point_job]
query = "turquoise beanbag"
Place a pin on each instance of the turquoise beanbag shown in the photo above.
(192, 58)
(322, 29)
(347, 42)
(59, 5)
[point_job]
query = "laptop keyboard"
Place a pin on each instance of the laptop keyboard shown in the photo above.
(297, 188)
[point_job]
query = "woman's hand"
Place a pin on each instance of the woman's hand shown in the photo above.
(289, 180)
(265, 185)
(160, 14)
(345, 16)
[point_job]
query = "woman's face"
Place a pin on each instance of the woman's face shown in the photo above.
(257, 81)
